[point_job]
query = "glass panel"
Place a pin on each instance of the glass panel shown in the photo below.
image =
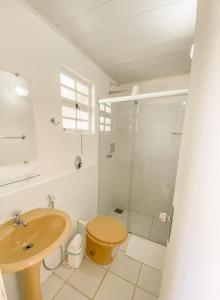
(82, 88)
(108, 109)
(102, 119)
(154, 166)
(107, 128)
(82, 125)
(68, 94)
(114, 175)
(107, 121)
(102, 107)
(82, 99)
(68, 112)
(137, 181)
(83, 115)
(67, 81)
(69, 124)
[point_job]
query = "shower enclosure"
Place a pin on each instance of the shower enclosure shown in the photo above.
(138, 153)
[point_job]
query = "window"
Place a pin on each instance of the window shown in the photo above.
(105, 121)
(76, 97)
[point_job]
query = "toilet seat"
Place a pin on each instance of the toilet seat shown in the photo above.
(107, 230)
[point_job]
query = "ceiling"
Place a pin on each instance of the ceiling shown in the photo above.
(133, 40)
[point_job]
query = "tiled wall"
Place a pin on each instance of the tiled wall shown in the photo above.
(155, 154)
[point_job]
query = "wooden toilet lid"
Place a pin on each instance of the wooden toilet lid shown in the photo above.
(107, 230)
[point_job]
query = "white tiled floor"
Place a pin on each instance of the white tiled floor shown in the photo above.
(145, 251)
(150, 279)
(125, 278)
(113, 287)
(87, 278)
(125, 267)
(51, 286)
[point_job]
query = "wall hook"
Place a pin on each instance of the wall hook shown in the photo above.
(54, 121)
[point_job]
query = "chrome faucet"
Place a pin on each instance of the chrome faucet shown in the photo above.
(18, 220)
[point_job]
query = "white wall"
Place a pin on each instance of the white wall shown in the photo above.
(193, 260)
(31, 47)
(162, 84)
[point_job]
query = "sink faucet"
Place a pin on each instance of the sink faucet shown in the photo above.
(18, 220)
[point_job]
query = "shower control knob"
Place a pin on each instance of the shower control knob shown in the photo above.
(78, 162)
(163, 217)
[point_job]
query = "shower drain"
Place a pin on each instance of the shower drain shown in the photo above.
(27, 246)
(118, 210)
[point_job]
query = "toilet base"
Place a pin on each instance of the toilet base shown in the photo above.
(100, 253)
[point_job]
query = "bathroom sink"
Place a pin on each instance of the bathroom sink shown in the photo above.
(23, 247)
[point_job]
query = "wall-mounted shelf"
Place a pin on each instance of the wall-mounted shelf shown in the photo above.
(18, 179)
(22, 137)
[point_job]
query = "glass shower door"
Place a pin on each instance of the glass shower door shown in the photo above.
(139, 145)
(155, 150)
(115, 158)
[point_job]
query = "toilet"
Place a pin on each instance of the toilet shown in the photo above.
(103, 234)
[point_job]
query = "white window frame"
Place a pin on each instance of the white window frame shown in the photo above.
(74, 104)
(104, 114)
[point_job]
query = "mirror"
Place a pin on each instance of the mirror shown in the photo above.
(17, 130)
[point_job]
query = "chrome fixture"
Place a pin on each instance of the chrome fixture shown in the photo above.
(54, 121)
(22, 137)
(154, 95)
(51, 204)
(27, 246)
(78, 162)
(112, 147)
(18, 220)
(164, 218)
(16, 180)
(192, 50)
(176, 132)
(51, 200)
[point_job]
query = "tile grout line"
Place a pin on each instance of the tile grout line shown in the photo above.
(134, 292)
(59, 288)
(122, 278)
(137, 286)
(107, 271)
(147, 291)
(142, 263)
(66, 282)
(138, 275)
(75, 288)
(142, 287)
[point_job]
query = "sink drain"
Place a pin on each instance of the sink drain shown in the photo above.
(27, 246)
